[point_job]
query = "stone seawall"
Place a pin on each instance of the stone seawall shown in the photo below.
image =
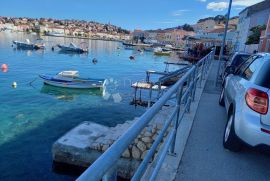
(85, 143)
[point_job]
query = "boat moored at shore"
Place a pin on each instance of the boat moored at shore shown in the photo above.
(29, 45)
(72, 48)
(71, 79)
(161, 52)
(55, 34)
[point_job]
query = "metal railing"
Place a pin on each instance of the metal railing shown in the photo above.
(183, 91)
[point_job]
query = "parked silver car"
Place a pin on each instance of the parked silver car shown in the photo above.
(236, 60)
(246, 98)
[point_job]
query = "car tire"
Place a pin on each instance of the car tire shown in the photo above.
(230, 139)
(221, 98)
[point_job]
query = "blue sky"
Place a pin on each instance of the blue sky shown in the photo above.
(134, 14)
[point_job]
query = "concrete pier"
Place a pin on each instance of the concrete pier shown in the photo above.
(82, 145)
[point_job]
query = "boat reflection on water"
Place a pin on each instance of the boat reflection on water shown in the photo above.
(28, 51)
(66, 94)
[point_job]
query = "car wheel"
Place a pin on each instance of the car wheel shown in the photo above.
(230, 140)
(221, 98)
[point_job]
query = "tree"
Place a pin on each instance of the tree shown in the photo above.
(254, 38)
(187, 27)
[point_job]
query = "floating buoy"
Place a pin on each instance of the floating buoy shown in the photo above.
(14, 84)
(4, 67)
(132, 57)
(94, 60)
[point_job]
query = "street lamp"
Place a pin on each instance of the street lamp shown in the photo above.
(224, 38)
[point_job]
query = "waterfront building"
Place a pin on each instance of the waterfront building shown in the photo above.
(138, 35)
(205, 25)
(160, 36)
(172, 37)
(175, 37)
(248, 18)
(9, 26)
(216, 36)
(264, 45)
(178, 35)
(56, 29)
(150, 37)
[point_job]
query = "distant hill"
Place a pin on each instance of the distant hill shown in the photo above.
(219, 19)
(185, 27)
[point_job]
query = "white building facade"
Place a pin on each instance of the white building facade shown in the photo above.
(250, 17)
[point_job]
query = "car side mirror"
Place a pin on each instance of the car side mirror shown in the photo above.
(230, 70)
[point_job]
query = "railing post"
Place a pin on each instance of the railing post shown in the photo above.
(201, 74)
(147, 77)
(111, 175)
(188, 84)
(188, 104)
(150, 96)
(159, 89)
(194, 84)
(176, 122)
(204, 70)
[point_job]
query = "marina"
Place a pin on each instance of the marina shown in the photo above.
(100, 91)
(36, 109)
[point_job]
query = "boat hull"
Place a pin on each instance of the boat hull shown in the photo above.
(75, 84)
(29, 46)
(71, 49)
(162, 53)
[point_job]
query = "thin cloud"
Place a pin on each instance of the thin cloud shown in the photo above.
(202, 1)
(217, 6)
(220, 6)
(179, 12)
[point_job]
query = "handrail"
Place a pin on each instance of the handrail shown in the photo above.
(102, 167)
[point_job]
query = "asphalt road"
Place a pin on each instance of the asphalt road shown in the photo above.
(204, 156)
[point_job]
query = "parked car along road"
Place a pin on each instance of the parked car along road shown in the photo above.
(246, 98)
(236, 60)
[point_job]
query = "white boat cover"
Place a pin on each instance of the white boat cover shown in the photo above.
(69, 73)
(27, 41)
(168, 46)
(158, 49)
(72, 45)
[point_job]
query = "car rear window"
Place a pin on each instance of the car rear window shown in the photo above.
(239, 59)
(263, 78)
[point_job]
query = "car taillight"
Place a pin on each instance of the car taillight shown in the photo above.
(257, 100)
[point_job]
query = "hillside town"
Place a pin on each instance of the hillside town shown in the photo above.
(247, 32)
(70, 28)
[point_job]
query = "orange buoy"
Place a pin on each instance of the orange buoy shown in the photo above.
(4, 67)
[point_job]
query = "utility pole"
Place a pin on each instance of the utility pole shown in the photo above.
(224, 39)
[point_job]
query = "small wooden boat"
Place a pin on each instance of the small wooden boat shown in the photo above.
(28, 45)
(129, 44)
(160, 52)
(129, 47)
(72, 48)
(71, 79)
(55, 34)
(148, 49)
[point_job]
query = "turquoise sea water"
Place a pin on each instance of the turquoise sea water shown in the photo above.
(33, 115)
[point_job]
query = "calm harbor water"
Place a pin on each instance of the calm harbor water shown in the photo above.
(34, 115)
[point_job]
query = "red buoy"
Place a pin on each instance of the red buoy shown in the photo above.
(4, 67)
